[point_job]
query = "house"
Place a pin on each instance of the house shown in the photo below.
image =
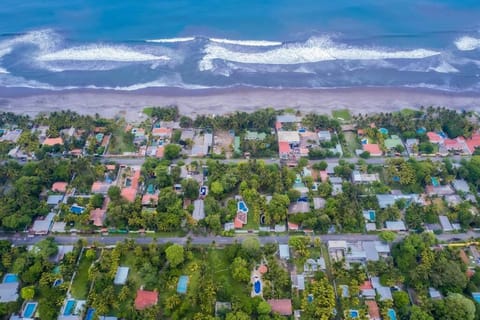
(337, 189)
(100, 187)
(359, 177)
(434, 137)
(42, 224)
(9, 292)
(473, 142)
(373, 149)
(59, 187)
(298, 281)
(461, 185)
(384, 292)
(145, 299)
(445, 223)
(121, 276)
(362, 251)
(149, 199)
(456, 145)
(311, 266)
(318, 203)
(129, 192)
(395, 226)
(281, 306)
(284, 251)
(164, 133)
(434, 294)
(11, 136)
(256, 136)
(324, 135)
(299, 207)
(334, 245)
(388, 200)
(440, 190)
(97, 216)
(54, 200)
(292, 226)
(53, 141)
(373, 310)
(367, 290)
(288, 118)
(393, 142)
(412, 146)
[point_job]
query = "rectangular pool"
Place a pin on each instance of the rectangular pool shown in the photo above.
(29, 310)
(476, 296)
(10, 278)
(182, 284)
(392, 314)
(69, 306)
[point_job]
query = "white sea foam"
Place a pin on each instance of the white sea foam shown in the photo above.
(314, 50)
(467, 43)
(3, 70)
(100, 53)
(172, 40)
(250, 43)
(444, 67)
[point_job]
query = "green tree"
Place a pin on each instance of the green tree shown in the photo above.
(27, 293)
(387, 236)
(175, 255)
(417, 313)
(216, 188)
(323, 304)
(251, 246)
(172, 151)
(264, 308)
(47, 247)
(190, 188)
(239, 268)
(454, 307)
(400, 299)
(114, 193)
(321, 165)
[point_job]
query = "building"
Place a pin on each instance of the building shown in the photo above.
(324, 135)
(393, 142)
(395, 226)
(97, 216)
(359, 177)
(145, 299)
(11, 136)
(284, 251)
(434, 137)
(253, 135)
(299, 207)
(59, 187)
(282, 307)
(412, 146)
(100, 187)
(384, 292)
(373, 149)
(311, 266)
(373, 310)
(441, 190)
(199, 210)
(318, 203)
(461, 185)
(42, 224)
(163, 133)
(445, 223)
(121, 276)
(53, 142)
(9, 292)
(388, 200)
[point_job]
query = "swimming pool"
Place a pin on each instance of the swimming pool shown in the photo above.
(242, 206)
(383, 130)
(57, 282)
(435, 182)
(353, 314)
(29, 310)
(476, 296)
(69, 306)
(391, 314)
(182, 284)
(257, 287)
(90, 314)
(10, 278)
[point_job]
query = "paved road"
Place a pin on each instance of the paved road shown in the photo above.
(199, 240)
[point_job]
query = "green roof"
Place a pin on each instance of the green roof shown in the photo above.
(392, 142)
(236, 144)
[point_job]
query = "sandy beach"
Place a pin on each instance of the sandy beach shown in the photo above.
(110, 103)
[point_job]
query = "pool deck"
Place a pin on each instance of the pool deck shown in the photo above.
(256, 276)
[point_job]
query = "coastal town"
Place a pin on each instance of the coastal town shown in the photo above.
(273, 214)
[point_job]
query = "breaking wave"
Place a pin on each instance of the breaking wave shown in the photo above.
(313, 50)
(467, 43)
(172, 40)
(250, 43)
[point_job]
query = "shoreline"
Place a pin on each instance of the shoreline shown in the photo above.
(111, 103)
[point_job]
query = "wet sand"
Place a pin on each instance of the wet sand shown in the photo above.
(110, 103)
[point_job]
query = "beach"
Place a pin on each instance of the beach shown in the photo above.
(129, 104)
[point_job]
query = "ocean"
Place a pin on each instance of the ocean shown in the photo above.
(129, 45)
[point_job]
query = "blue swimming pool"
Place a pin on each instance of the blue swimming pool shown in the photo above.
(353, 314)
(10, 278)
(29, 310)
(257, 287)
(69, 307)
(242, 206)
(182, 284)
(435, 182)
(476, 296)
(90, 314)
(57, 282)
(383, 130)
(391, 314)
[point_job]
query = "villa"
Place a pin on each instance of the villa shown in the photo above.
(145, 299)
(281, 306)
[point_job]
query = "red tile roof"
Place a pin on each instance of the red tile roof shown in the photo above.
(434, 137)
(281, 306)
(145, 299)
(160, 152)
(453, 144)
(284, 147)
(323, 176)
(110, 167)
(162, 132)
(278, 125)
(99, 187)
(473, 142)
(59, 186)
(366, 285)
(292, 226)
(52, 141)
(149, 198)
(373, 310)
(237, 223)
(129, 194)
(373, 148)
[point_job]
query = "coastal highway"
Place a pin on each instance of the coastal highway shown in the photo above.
(19, 239)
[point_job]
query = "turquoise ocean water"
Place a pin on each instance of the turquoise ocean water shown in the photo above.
(127, 45)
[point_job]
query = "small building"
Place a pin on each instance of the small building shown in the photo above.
(434, 294)
(284, 251)
(395, 226)
(299, 207)
(53, 142)
(324, 135)
(298, 281)
(11, 136)
(393, 142)
(100, 187)
(384, 292)
(54, 200)
(373, 310)
(42, 224)
(441, 190)
(434, 137)
(60, 187)
(97, 216)
(445, 223)
(9, 292)
(121, 275)
(311, 266)
(282, 307)
(359, 177)
(318, 203)
(145, 299)
(164, 133)
(198, 210)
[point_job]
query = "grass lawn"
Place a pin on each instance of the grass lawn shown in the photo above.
(148, 111)
(352, 143)
(121, 141)
(80, 283)
(251, 224)
(342, 114)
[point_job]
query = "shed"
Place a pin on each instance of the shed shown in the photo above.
(121, 276)
(284, 251)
